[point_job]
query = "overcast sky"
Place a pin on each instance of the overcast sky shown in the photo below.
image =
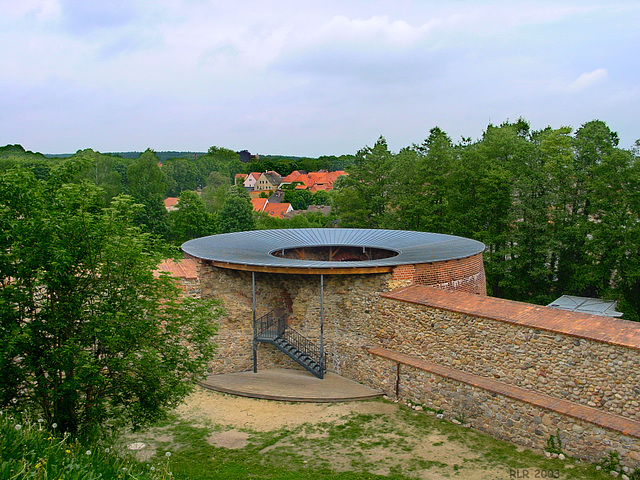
(309, 78)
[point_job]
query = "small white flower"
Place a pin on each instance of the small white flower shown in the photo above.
(107, 450)
(54, 425)
(153, 469)
(18, 427)
(40, 420)
(88, 452)
(168, 454)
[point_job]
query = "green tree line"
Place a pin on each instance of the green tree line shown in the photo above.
(558, 210)
(219, 208)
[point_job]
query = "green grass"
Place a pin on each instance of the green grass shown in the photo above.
(28, 450)
(356, 446)
(403, 444)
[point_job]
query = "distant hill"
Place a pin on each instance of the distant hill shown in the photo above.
(162, 156)
(18, 151)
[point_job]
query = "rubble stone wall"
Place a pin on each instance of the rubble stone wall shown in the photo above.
(360, 313)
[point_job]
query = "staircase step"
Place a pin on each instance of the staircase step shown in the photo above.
(303, 358)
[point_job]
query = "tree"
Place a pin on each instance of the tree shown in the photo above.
(190, 219)
(219, 159)
(215, 193)
(148, 186)
(420, 177)
(321, 197)
(299, 199)
(181, 174)
(102, 170)
(361, 198)
(89, 335)
(237, 212)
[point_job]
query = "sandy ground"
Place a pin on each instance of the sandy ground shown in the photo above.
(232, 421)
(266, 415)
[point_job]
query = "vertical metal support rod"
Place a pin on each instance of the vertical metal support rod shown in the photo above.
(321, 325)
(255, 327)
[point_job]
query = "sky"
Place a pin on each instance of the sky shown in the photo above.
(304, 78)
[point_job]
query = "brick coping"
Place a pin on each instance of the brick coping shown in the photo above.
(580, 412)
(186, 268)
(614, 331)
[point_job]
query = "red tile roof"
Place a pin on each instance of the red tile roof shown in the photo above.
(292, 177)
(314, 181)
(278, 209)
(170, 203)
(259, 204)
(185, 268)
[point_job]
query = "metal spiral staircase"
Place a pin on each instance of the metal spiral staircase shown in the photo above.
(273, 328)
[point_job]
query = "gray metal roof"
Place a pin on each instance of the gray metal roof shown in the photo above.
(594, 306)
(255, 248)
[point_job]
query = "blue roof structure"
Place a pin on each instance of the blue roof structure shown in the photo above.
(594, 306)
(255, 249)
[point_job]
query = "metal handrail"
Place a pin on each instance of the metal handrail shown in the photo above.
(274, 324)
(271, 324)
(303, 344)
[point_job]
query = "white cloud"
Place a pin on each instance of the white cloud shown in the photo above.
(588, 79)
(43, 9)
(375, 29)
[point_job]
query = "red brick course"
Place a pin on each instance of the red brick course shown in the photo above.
(464, 275)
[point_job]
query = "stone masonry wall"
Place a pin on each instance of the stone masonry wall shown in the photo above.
(599, 375)
(300, 295)
(583, 371)
(364, 311)
(502, 417)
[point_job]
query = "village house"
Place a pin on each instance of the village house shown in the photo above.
(268, 181)
(259, 204)
(313, 181)
(251, 180)
(273, 209)
(171, 203)
(278, 210)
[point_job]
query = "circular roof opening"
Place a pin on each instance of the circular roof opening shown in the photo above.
(334, 253)
(257, 250)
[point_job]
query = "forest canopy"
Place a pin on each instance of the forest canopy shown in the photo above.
(558, 211)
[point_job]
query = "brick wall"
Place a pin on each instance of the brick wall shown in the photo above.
(465, 274)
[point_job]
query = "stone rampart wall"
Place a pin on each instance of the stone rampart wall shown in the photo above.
(581, 370)
(591, 363)
(523, 421)
(597, 378)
